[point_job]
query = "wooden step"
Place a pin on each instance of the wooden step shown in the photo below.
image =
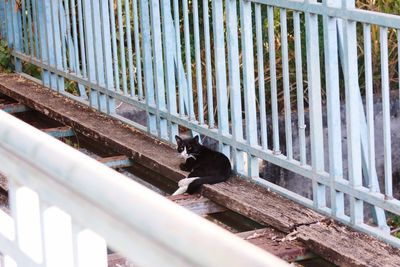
(116, 162)
(197, 204)
(14, 108)
(60, 132)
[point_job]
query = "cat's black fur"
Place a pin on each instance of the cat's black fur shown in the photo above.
(210, 166)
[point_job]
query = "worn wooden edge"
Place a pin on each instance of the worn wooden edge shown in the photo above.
(281, 245)
(345, 247)
(260, 204)
(46, 101)
(89, 122)
(197, 203)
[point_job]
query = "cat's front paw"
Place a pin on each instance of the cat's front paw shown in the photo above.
(183, 167)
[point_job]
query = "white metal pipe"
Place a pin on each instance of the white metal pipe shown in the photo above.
(46, 164)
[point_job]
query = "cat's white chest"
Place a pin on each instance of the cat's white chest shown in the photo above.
(185, 155)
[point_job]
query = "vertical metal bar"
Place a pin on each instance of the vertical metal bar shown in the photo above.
(158, 67)
(249, 85)
(82, 40)
(272, 68)
(386, 112)
(367, 133)
(28, 223)
(147, 65)
(12, 199)
(188, 59)
(35, 11)
(369, 105)
(69, 37)
(137, 49)
(314, 93)
(17, 34)
(7, 20)
(3, 20)
(234, 80)
(98, 59)
(299, 88)
(352, 114)
(90, 49)
(75, 38)
(42, 208)
(76, 65)
(210, 100)
(168, 42)
(62, 33)
(43, 37)
(199, 85)
(57, 41)
(31, 42)
(220, 69)
(61, 19)
(50, 43)
(107, 55)
(76, 229)
(122, 47)
(286, 89)
(24, 29)
(129, 46)
(261, 80)
(178, 57)
(114, 45)
(333, 108)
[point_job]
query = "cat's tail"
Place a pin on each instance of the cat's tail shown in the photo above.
(193, 184)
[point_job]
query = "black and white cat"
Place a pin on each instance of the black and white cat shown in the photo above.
(205, 165)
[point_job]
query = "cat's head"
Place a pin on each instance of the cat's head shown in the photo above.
(188, 146)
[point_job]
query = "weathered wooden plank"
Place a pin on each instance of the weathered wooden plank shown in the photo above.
(117, 162)
(59, 132)
(277, 243)
(122, 138)
(345, 247)
(197, 204)
(268, 239)
(260, 205)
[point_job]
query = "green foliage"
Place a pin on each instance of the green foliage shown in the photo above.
(386, 6)
(5, 57)
(394, 222)
(72, 88)
(31, 70)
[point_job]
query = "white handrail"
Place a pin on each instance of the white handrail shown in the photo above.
(143, 226)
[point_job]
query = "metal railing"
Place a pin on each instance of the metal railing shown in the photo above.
(67, 208)
(230, 77)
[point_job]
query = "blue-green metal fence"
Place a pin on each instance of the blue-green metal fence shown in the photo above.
(232, 70)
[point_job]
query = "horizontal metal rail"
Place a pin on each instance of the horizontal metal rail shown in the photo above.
(55, 190)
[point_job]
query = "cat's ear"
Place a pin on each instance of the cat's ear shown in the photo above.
(178, 139)
(196, 139)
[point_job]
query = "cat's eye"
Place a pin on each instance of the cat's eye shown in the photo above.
(189, 147)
